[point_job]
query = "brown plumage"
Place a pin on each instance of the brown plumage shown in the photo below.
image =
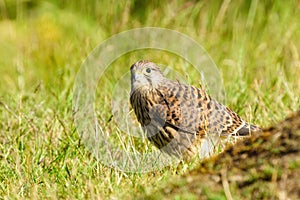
(179, 119)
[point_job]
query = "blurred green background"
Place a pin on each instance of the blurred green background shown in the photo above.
(255, 44)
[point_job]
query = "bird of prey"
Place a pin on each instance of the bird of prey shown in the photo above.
(179, 119)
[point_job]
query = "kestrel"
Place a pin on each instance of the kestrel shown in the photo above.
(180, 119)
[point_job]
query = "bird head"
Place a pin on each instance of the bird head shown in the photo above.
(145, 74)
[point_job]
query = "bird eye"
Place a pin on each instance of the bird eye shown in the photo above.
(148, 70)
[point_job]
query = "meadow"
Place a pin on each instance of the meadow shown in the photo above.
(255, 45)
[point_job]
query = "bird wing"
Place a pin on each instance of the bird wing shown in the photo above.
(225, 122)
(191, 110)
(162, 113)
(182, 111)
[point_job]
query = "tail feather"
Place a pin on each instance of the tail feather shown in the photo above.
(247, 130)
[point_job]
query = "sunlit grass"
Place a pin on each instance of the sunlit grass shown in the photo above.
(255, 45)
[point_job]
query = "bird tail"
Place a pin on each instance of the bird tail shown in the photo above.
(247, 130)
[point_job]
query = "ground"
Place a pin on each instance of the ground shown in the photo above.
(264, 166)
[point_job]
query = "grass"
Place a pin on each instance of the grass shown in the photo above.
(43, 44)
